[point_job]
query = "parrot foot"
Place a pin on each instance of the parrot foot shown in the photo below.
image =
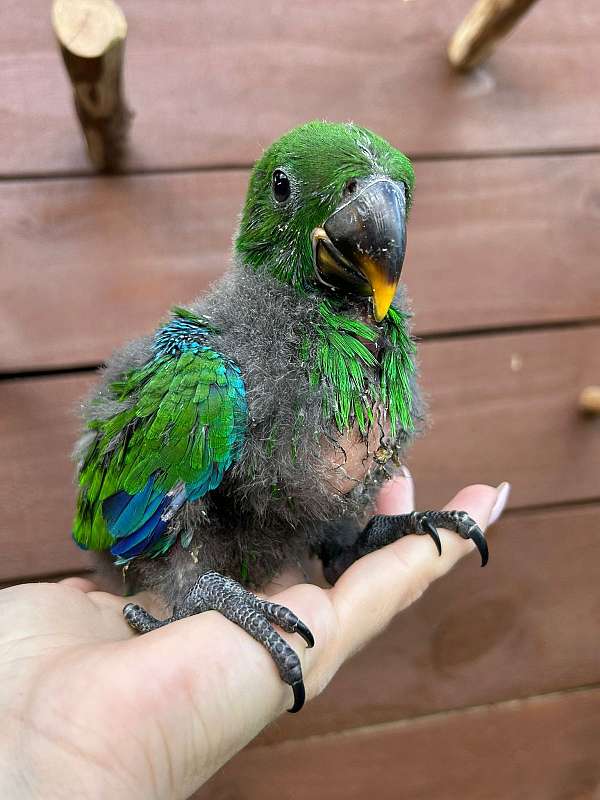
(382, 530)
(214, 592)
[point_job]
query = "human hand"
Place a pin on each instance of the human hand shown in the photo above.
(92, 710)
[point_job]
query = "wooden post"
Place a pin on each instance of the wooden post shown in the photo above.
(91, 35)
(486, 22)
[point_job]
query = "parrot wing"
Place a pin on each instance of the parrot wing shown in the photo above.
(182, 428)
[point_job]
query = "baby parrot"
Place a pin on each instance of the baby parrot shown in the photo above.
(255, 425)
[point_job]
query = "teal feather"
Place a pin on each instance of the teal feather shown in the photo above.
(182, 430)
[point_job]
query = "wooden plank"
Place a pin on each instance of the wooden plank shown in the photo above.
(491, 243)
(235, 77)
(542, 748)
(493, 422)
(37, 433)
(526, 624)
(107, 258)
(506, 407)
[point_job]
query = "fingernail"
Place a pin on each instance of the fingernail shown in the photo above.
(502, 495)
(405, 472)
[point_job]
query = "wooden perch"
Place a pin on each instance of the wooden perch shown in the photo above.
(486, 22)
(91, 34)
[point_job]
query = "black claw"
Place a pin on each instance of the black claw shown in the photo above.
(299, 697)
(481, 544)
(432, 531)
(303, 631)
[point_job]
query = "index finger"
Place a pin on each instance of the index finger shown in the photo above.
(378, 586)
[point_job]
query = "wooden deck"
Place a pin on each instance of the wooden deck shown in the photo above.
(503, 266)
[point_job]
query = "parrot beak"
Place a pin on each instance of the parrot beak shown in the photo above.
(360, 248)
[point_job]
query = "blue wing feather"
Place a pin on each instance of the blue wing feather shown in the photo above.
(124, 512)
(143, 537)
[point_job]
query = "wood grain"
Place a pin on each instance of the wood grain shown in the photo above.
(89, 263)
(534, 750)
(37, 430)
(213, 82)
(506, 407)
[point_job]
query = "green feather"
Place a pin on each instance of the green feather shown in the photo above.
(184, 415)
(353, 379)
(279, 238)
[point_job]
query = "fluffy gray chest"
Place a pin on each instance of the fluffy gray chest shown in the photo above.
(296, 468)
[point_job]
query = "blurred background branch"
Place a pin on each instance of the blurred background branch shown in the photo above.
(485, 24)
(91, 35)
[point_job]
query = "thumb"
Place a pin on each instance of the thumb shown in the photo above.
(398, 495)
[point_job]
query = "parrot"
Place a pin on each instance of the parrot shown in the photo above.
(255, 426)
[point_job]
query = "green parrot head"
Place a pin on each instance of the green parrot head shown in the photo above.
(326, 211)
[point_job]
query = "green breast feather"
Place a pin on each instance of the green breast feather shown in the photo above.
(344, 365)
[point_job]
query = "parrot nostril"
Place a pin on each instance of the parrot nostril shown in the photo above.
(351, 186)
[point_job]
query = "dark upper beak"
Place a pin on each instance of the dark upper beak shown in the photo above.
(360, 248)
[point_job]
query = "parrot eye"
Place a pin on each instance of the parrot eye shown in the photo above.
(281, 186)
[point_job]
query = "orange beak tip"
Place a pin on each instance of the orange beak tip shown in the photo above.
(383, 296)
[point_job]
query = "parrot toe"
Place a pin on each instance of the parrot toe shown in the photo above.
(215, 592)
(458, 521)
(467, 528)
(428, 522)
(382, 530)
(140, 620)
(286, 619)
